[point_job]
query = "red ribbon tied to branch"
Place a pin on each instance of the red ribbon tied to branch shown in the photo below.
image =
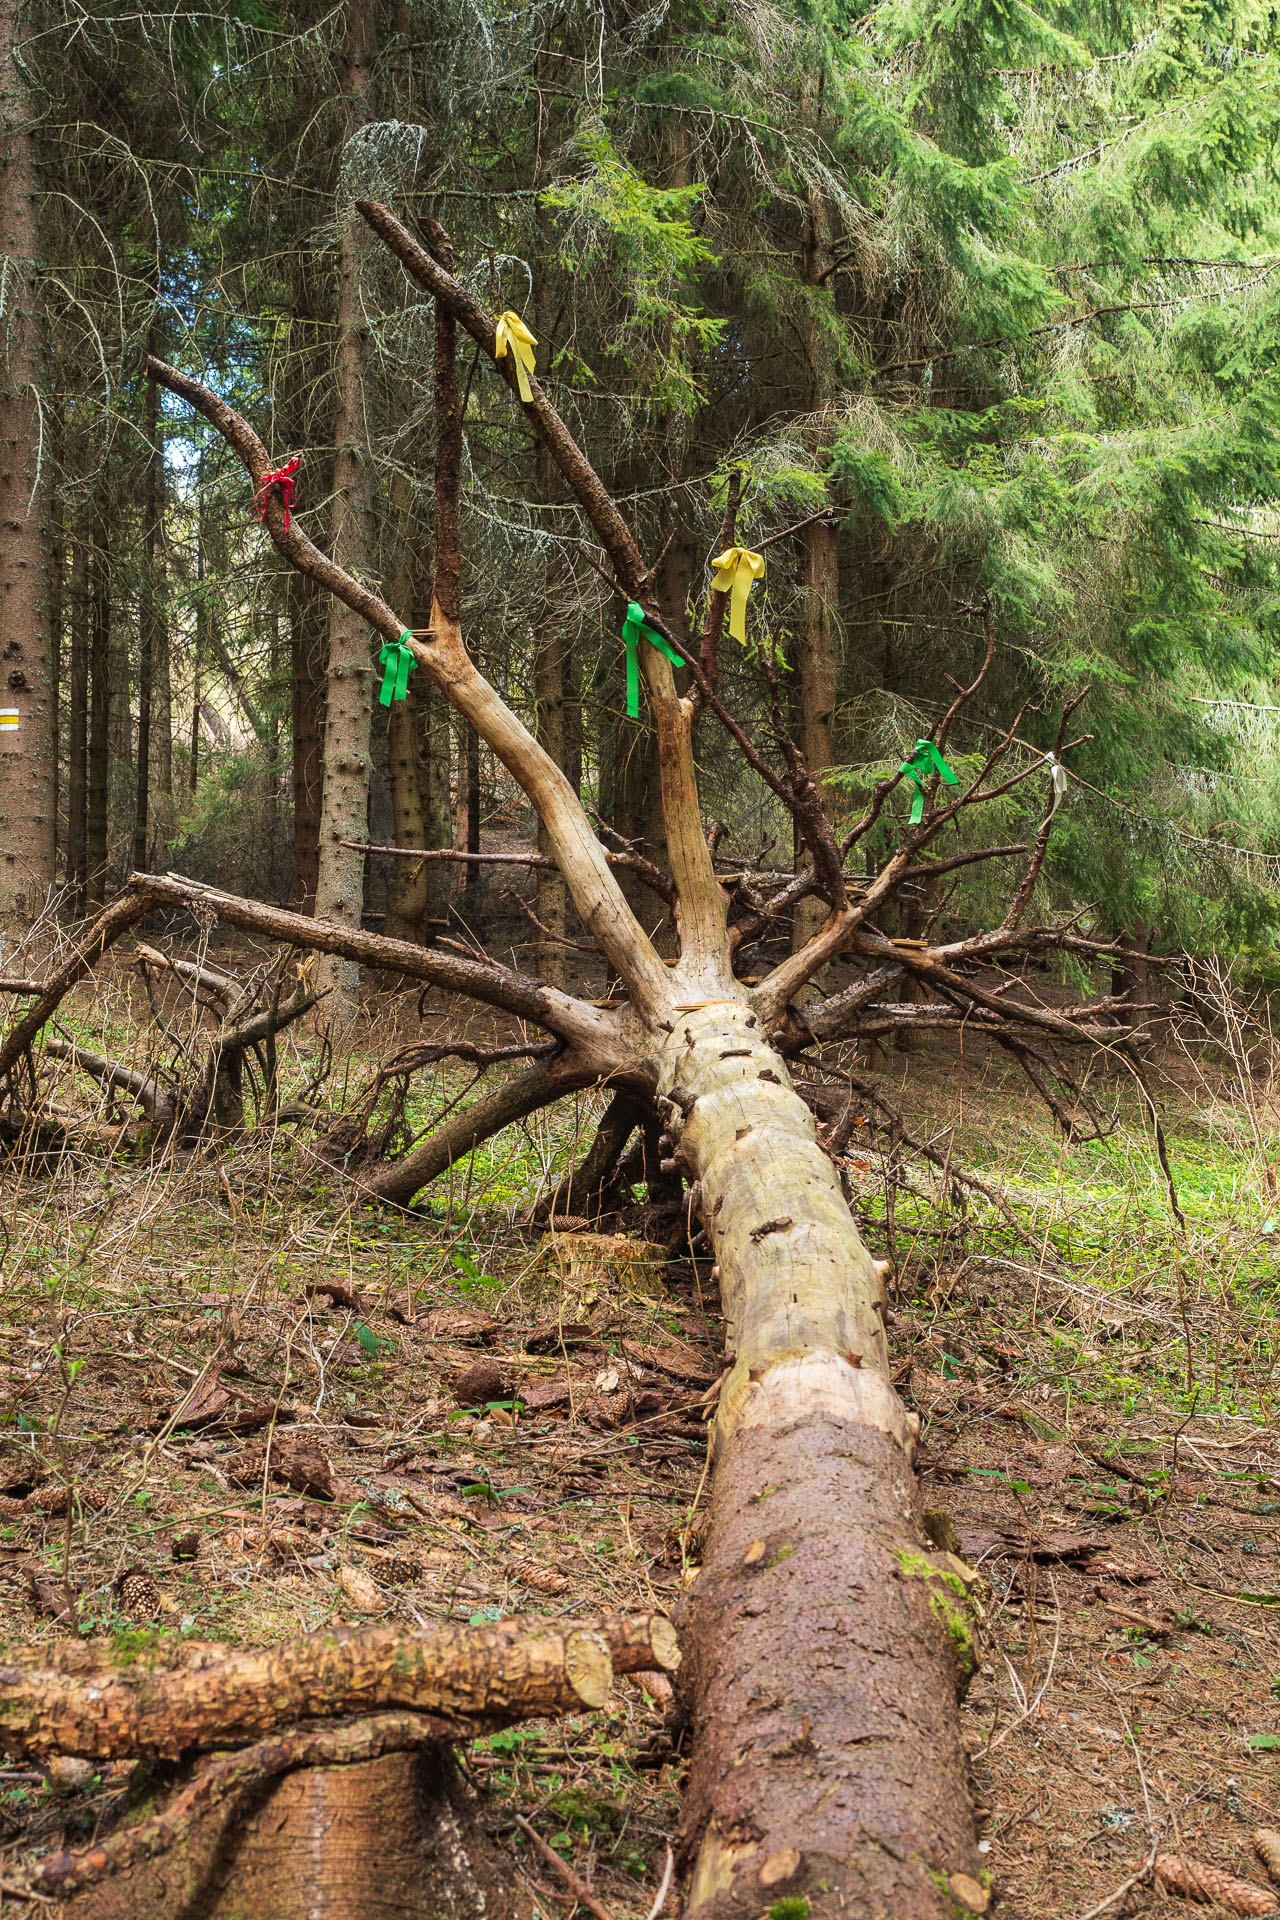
(284, 478)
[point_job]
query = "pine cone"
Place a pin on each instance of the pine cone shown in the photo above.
(540, 1579)
(138, 1594)
(1266, 1844)
(1196, 1880)
(360, 1589)
(398, 1569)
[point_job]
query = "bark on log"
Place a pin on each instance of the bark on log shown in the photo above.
(824, 1643)
(469, 1677)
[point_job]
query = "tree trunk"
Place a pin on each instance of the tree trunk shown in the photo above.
(819, 650)
(152, 649)
(407, 891)
(27, 733)
(307, 647)
(551, 901)
(401, 1842)
(345, 795)
(78, 719)
(98, 780)
(57, 623)
(471, 805)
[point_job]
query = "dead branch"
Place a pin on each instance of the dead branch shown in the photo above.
(397, 1182)
(644, 869)
(470, 1677)
(115, 919)
(486, 981)
(110, 1073)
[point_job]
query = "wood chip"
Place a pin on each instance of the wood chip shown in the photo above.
(458, 1323)
(56, 1602)
(539, 1396)
(779, 1867)
(337, 1294)
(192, 1412)
(554, 1334)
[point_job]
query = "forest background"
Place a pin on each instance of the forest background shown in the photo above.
(992, 290)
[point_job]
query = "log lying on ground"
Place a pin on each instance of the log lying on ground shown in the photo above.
(469, 1678)
(827, 1642)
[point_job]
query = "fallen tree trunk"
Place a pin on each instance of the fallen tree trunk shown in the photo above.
(370, 1820)
(827, 1642)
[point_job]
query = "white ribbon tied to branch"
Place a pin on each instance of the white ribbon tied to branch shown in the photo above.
(1058, 774)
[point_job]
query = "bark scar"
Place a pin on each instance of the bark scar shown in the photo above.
(772, 1226)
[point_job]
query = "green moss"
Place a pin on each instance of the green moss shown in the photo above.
(129, 1645)
(794, 1907)
(945, 1590)
(576, 1807)
(783, 1553)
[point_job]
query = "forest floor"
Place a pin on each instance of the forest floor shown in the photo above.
(491, 1422)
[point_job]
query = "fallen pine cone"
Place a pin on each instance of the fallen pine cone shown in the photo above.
(1266, 1844)
(541, 1579)
(300, 1461)
(138, 1594)
(655, 1686)
(398, 1569)
(67, 1773)
(363, 1592)
(1196, 1880)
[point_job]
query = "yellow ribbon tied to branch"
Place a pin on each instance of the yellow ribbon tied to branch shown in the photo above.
(738, 569)
(511, 332)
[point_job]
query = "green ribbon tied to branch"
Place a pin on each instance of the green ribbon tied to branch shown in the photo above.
(923, 764)
(397, 663)
(636, 628)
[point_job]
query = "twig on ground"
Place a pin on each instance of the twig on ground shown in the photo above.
(664, 1888)
(579, 1888)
